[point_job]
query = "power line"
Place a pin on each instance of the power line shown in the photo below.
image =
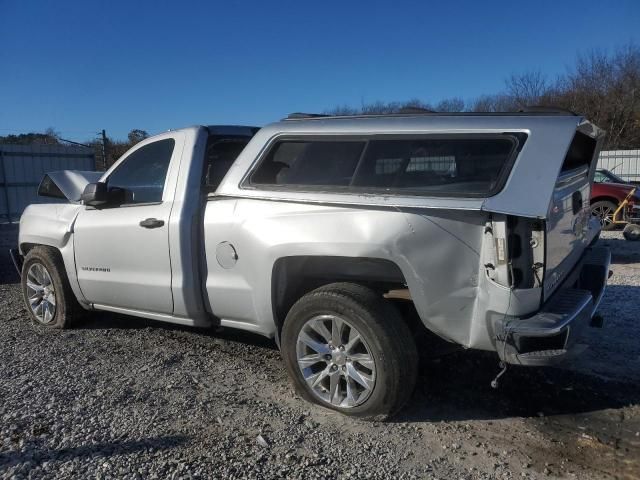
(31, 130)
(74, 143)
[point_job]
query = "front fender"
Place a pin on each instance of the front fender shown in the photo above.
(47, 224)
(52, 225)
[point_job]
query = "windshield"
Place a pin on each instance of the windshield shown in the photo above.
(605, 176)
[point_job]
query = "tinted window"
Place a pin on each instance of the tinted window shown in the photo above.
(605, 176)
(580, 152)
(330, 163)
(142, 174)
(220, 155)
(465, 165)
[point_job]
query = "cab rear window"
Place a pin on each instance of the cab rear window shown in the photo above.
(469, 165)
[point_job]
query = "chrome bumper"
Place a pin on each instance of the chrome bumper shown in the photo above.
(551, 334)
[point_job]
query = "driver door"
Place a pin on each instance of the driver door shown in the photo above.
(122, 251)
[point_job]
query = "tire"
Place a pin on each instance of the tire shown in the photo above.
(43, 267)
(386, 354)
(603, 210)
(632, 232)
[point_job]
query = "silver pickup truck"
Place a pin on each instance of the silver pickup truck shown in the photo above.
(343, 238)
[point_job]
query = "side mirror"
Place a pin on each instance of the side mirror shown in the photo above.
(95, 194)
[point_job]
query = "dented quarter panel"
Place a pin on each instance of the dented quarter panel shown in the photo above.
(438, 254)
(438, 248)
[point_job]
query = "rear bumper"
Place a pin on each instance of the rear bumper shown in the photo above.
(551, 335)
(17, 259)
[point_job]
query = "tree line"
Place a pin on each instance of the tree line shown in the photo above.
(603, 86)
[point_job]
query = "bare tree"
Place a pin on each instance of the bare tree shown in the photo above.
(606, 89)
(379, 108)
(527, 89)
(494, 103)
(136, 135)
(51, 137)
(342, 110)
(453, 104)
(603, 86)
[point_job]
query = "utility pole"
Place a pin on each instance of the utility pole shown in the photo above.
(104, 150)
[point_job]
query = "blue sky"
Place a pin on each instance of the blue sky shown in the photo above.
(80, 66)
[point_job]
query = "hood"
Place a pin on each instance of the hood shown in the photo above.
(617, 190)
(622, 186)
(67, 184)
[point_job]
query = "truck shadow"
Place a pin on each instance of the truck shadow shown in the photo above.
(557, 415)
(622, 251)
(107, 320)
(38, 455)
(457, 388)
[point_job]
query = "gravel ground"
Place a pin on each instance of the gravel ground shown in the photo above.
(120, 397)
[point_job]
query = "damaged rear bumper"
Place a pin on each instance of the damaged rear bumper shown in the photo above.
(551, 334)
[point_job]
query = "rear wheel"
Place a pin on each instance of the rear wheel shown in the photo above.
(603, 210)
(46, 290)
(348, 349)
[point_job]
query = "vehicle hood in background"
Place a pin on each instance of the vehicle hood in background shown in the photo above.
(67, 184)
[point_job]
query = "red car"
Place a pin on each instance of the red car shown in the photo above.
(607, 193)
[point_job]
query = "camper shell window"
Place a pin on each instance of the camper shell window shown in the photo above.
(430, 165)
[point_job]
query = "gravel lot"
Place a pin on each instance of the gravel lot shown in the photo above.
(121, 397)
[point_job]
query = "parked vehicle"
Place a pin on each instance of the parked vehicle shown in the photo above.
(606, 176)
(320, 231)
(607, 193)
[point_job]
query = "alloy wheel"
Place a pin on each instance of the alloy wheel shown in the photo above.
(41, 293)
(604, 214)
(335, 361)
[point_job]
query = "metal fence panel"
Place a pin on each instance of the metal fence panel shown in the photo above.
(22, 168)
(624, 163)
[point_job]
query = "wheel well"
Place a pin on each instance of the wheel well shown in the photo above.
(613, 200)
(293, 277)
(25, 247)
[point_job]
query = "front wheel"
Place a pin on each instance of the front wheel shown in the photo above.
(348, 349)
(46, 290)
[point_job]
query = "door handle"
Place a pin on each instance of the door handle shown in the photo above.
(151, 223)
